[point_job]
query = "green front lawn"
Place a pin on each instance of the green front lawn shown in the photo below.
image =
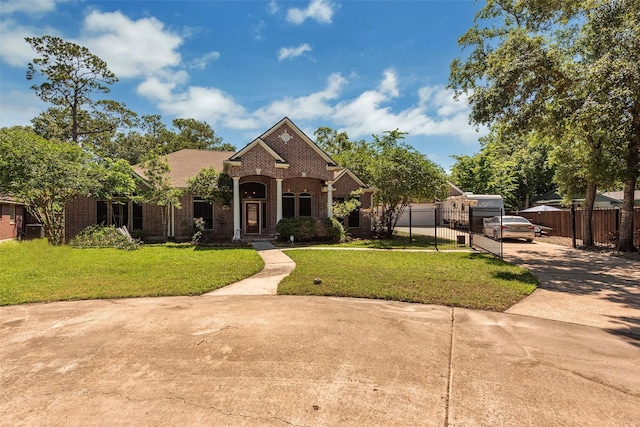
(468, 280)
(34, 271)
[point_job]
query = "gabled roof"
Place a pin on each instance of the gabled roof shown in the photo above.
(305, 138)
(552, 198)
(237, 157)
(339, 174)
(188, 162)
(619, 195)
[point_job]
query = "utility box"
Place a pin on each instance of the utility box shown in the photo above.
(34, 231)
(462, 240)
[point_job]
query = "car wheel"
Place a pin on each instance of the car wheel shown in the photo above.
(495, 235)
(529, 240)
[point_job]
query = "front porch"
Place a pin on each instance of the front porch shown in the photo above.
(260, 202)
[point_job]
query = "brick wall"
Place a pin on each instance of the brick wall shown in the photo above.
(79, 214)
(299, 154)
(8, 228)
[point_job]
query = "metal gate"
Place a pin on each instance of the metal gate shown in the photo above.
(477, 239)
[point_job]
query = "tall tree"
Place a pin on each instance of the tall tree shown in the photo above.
(46, 175)
(72, 76)
(399, 174)
(518, 168)
(158, 189)
(560, 68)
(192, 133)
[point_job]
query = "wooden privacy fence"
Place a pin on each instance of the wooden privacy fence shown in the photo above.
(605, 222)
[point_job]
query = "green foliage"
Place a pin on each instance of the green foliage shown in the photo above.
(567, 70)
(351, 203)
(72, 75)
(99, 236)
(212, 186)
(516, 167)
(399, 174)
(158, 189)
(307, 229)
(46, 175)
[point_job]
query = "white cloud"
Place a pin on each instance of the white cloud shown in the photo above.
(293, 52)
(19, 107)
(437, 113)
(273, 7)
(258, 30)
(204, 60)
(320, 10)
(313, 106)
(131, 48)
(13, 49)
(31, 7)
(389, 86)
(209, 104)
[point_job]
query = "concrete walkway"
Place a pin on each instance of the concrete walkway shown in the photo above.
(277, 266)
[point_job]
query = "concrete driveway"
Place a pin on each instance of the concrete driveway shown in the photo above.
(307, 361)
(587, 288)
(256, 360)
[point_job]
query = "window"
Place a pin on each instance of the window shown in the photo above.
(203, 209)
(137, 217)
(354, 218)
(101, 212)
(120, 214)
(264, 215)
(12, 214)
(1, 208)
(288, 205)
(253, 190)
(304, 202)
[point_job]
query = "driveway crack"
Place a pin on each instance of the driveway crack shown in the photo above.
(450, 375)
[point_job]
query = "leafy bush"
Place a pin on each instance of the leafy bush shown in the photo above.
(306, 229)
(198, 225)
(100, 236)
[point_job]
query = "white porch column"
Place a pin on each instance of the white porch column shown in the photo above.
(236, 204)
(329, 199)
(278, 199)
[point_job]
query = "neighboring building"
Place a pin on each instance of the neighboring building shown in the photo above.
(619, 195)
(280, 174)
(551, 198)
(11, 218)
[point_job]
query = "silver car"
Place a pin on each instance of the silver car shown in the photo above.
(509, 227)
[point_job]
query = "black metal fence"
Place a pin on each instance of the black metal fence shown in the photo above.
(435, 223)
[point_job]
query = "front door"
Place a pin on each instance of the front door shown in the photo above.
(252, 217)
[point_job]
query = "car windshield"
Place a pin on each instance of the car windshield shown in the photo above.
(515, 220)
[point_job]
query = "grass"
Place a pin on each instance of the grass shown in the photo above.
(33, 271)
(398, 241)
(469, 280)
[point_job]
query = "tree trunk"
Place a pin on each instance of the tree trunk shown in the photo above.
(587, 214)
(625, 242)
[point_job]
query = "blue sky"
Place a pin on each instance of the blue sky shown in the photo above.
(358, 66)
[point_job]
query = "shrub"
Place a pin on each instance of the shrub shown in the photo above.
(100, 236)
(306, 229)
(198, 225)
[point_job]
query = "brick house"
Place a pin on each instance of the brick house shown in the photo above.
(282, 173)
(11, 218)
